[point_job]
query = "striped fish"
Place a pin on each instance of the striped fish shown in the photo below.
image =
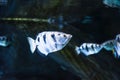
(49, 41)
(88, 48)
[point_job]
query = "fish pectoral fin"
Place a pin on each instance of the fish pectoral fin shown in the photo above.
(32, 44)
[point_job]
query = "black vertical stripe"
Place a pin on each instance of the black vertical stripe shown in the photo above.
(118, 39)
(44, 38)
(92, 47)
(87, 48)
(82, 47)
(38, 39)
(56, 46)
(53, 36)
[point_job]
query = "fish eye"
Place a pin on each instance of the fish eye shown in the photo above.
(64, 35)
(58, 34)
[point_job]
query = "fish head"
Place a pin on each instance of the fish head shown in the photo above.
(4, 41)
(61, 39)
(117, 46)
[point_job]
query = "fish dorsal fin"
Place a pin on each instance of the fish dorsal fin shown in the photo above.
(32, 44)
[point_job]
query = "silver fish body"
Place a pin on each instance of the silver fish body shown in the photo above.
(49, 41)
(88, 48)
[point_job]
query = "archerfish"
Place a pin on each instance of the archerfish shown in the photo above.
(49, 41)
(4, 42)
(88, 48)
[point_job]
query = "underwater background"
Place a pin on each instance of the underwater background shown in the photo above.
(87, 20)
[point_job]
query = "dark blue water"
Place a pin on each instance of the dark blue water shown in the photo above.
(16, 61)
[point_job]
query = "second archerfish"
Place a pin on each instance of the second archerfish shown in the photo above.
(93, 48)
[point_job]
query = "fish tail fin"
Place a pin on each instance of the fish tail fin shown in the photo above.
(32, 44)
(77, 50)
(108, 45)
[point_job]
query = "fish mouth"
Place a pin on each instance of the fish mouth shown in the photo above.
(67, 40)
(70, 36)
